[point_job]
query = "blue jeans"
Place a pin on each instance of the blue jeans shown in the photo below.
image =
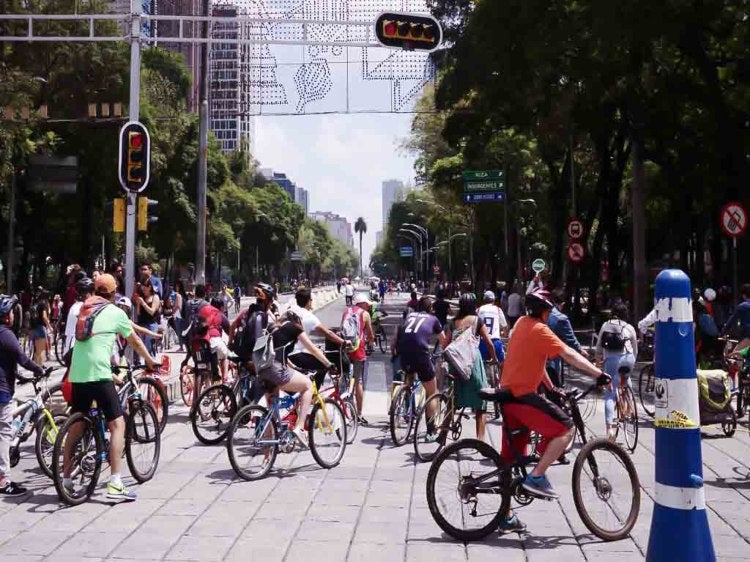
(148, 341)
(612, 365)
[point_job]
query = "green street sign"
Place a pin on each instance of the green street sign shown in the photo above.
(538, 265)
(484, 180)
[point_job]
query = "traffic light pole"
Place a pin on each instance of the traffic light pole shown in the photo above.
(136, 8)
(200, 243)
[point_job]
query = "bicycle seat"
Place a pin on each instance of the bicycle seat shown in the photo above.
(499, 395)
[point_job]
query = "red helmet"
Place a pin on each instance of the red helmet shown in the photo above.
(539, 300)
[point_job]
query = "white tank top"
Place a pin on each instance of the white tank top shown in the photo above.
(493, 319)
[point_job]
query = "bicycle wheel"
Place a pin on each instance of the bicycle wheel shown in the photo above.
(44, 445)
(252, 442)
(401, 415)
(606, 490)
(646, 386)
(464, 500)
(629, 419)
(86, 459)
(431, 428)
(212, 413)
(326, 432)
(187, 387)
(382, 341)
(152, 391)
(349, 407)
(142, 440)
(59, 346)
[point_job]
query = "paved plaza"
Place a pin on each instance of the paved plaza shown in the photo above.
(371, 507)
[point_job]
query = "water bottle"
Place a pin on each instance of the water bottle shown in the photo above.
(15, 425)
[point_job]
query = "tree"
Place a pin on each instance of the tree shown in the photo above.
(360, 226)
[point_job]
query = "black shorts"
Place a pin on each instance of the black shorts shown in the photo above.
(418, 363)
(105, 394)
(309, 362)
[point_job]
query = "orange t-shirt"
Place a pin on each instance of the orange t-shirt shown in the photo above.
(530, 345)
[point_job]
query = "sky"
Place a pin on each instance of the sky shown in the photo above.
(340, 159)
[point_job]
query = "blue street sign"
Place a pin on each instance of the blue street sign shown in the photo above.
(484, 197)
(406, 251)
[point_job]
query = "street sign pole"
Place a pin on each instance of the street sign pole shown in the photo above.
(734, 223)
(136, 8)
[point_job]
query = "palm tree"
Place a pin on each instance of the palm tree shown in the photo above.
(361, 227)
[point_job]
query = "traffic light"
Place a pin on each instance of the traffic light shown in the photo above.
(144, 205)
(135, 156)
(119, 205)
(408, 31)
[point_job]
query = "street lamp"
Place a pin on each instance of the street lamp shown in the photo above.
(418, 238)
(514, 204)
(423, 230)
(411, 237)
(450, 259)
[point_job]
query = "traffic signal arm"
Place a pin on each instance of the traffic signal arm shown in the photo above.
(408, 31)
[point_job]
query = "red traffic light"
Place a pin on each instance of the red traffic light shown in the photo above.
(135, 156)
(135, 140)
(408, 31)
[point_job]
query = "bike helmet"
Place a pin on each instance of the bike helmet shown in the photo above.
(710, 294)
(6, 304)
(489, 297)
(85, 285)
(267, 290)
(537, 301)
(124, 302)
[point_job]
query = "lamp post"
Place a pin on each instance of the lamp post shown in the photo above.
(418, 238)
(426, 234)
(412, 244)
(514, 204)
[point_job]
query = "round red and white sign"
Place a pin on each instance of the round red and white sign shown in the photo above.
(734, 219)
(575, 229)
(576, 252)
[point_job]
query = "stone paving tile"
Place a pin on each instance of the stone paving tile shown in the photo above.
(419, 551)
(367, 552)
(88, 544)
(200, 548)
(380, 533)
(250, 551)
(304, 551)
(31, 543)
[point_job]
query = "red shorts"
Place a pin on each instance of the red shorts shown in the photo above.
(538, 414)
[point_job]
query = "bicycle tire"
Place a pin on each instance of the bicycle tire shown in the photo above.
(465, 534)
(187, 388)
(329, 426)
(222, 408)
(59, 345)
(604, 488)
(142, 428)
(382, 341)
(44, 444)
(729, 426)
(427, 451)
(646, 386)
(250, 418)
(349, 407)
(630, 422)
(156, 395)
(401, 402)
(83, 462)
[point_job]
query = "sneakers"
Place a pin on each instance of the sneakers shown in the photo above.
(513, 524)
(431, 437)
(563, 459)
(13, 489)
(301, 436)
(115, 492)
(363, 421)
(539, 486)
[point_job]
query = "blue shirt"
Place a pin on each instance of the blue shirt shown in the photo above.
(743, 316)
(11, 355)
(560, 325)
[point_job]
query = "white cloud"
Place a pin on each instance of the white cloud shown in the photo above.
(340, 159)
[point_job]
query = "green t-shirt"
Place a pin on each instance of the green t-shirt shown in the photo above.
(91, 358)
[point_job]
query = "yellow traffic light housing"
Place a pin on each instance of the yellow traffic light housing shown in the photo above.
(119, 206)
(135, 156)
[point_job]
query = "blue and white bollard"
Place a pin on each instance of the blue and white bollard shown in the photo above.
(679, 526)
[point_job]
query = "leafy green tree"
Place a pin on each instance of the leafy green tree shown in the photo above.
(360, 227)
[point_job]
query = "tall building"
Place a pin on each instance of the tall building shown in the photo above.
(392, 192)
(302, 198)
(283, 182)
(340, 227)
(378, 237)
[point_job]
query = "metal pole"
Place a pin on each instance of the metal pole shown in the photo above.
(639, 229)
(572, 180)
(450, 260)
(11, 234)
(471, 250)
(735, 287)
(200, 250)
(136, 8)
(519, 268)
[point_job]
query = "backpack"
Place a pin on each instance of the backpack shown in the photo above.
(613, 341)
(88, 314)
(254, 322)
(35, 319)
(263, 352)
(351, 329)
(462, 352)
(707, 325)
(196, 324)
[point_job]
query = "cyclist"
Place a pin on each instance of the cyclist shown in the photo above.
(356, 327)
(85, 288)
(11, 355)
(412, 346)
(531, 343)
(91, 378)
(742, 315)
(441, 306)
(299, 356)
(560, 324)
(493, 319)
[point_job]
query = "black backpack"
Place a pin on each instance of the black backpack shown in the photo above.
(254, 321)
(613, 341)
(196, 325)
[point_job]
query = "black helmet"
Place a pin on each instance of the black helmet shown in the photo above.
(6, 304)
(292, 317)
(537, 301)
(467, 298)
(267, 290)
(85, 285)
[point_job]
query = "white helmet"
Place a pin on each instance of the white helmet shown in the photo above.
(124, 301)
(710, 294)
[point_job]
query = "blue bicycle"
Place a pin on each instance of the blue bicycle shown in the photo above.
(256, 434)
(406, 404)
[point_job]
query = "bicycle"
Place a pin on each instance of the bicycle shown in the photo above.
(35, 415)
(381, 338)
(257, 433)
(627, 413)
(432, 430)
(647, 388)
(481, 485)
(142, 444)
(405, 407)
(194, 380)
(153, 391)
(345, 399)
(212, 413)
(59, 342)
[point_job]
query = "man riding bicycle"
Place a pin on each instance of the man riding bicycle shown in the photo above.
(531, 343)
(91, 378)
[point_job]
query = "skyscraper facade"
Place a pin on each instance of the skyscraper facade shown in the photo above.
(392, 192)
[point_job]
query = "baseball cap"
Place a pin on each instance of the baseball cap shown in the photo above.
(360, 298)
(105, 284)
(489, 296)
